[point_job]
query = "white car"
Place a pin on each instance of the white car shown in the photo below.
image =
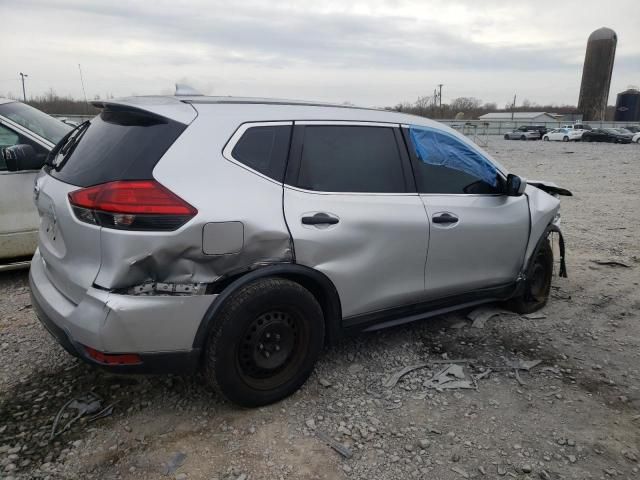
(22, 128)
(636, 138)
(563, 135)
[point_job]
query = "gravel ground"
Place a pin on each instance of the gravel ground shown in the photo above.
(575, 415)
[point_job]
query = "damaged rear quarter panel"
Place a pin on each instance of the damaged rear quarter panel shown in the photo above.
(543, 208)
(194, 169)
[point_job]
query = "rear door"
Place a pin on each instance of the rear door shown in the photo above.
(351, 206)
(478, 235)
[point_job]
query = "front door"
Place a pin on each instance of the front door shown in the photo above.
(18, 215)
(478, 235)
(351, 206)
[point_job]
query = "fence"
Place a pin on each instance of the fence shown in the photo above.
(480, 127)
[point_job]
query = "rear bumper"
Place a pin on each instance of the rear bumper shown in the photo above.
(160, 329)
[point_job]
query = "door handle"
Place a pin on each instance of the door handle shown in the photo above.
(320, 219)
(444, 218)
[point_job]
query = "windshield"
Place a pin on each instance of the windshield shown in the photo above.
(32, 119)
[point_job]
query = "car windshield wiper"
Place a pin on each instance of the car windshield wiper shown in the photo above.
(66, 146)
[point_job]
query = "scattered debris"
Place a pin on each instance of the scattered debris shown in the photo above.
(451, 377)
(611, 263)
(534, 316)
(523, 364)
(88, 404)
(481, 315)
(337, 446)
(395, 378)
(173, 464)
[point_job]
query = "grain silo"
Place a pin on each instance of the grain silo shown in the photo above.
(628, 106)
(596, 74)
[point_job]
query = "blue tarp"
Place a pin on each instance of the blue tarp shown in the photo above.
(436, 147)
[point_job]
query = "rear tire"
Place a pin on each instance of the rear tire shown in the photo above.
(522, 137)
(565, 139)
(537, 286)
(264, 343)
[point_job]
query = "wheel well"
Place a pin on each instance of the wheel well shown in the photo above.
(316, 282)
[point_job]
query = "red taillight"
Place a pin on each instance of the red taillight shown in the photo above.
(131, 196)
(131, 204)
(113, 358)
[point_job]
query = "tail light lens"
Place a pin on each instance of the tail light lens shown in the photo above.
(131, 205)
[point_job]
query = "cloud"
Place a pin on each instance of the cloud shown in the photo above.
(306, 47)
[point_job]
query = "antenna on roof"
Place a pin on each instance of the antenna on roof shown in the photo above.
(186, 90)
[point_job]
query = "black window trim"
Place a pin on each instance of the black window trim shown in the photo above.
(227, 150)
(414, 159)
(295, 156)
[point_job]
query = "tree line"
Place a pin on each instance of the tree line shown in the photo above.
(470, 108)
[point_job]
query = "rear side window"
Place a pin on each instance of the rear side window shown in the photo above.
(264, 149)
(119, 144)
(350, 159)
(444, 164)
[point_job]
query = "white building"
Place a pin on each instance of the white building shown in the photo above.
(520, 117)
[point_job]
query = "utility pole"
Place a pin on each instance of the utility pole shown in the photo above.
(440, 97)
(513, 107)
(24, 93)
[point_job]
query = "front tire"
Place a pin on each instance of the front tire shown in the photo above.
(506, 137)
(537, 286)
(522, 137)
(546, 139)
(265, 342)
(565, 139)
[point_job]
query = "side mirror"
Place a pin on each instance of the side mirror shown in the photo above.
(21, 157)
(515, 185)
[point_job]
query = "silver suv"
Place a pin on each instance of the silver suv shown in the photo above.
(240, 235)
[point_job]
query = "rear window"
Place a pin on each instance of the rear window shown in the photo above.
(118, 144)
(264, 149)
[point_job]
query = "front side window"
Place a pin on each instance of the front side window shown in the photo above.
(350, 158)
(264, 149)
(444, 164)
(9, 138)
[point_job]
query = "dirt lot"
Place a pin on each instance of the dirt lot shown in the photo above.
(576, 415)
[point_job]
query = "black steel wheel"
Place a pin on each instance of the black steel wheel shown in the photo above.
(264, 342)
(537, 287)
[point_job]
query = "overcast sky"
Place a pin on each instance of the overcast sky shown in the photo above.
(375, 53)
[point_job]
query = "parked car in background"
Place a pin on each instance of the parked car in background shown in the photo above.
(563, 135)
(246, 258)
(518, 134)
(624, 131)
(610, 135)
(533, 128)
(24, 130)
(577, 126)
(633, 128)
